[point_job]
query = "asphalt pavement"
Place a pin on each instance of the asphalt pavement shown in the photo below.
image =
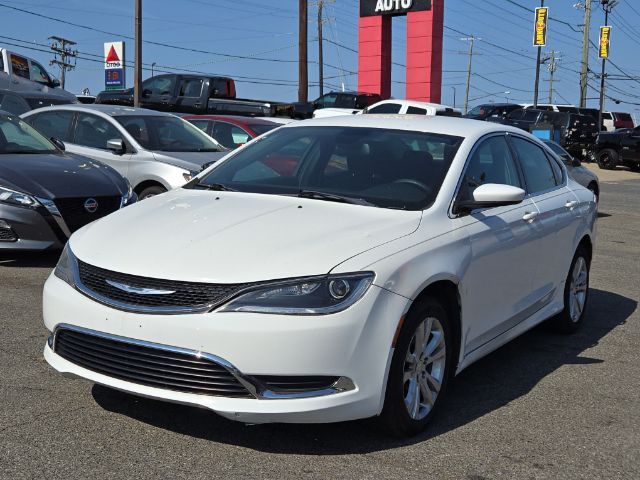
(545, 406)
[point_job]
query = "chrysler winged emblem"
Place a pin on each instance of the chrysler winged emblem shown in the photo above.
(138, 290)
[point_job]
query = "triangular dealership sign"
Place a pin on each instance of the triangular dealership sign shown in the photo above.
(112, 56)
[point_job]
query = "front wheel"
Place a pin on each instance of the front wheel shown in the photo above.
(420, 367)
(151, 192)
(608, 159)
(576, 294)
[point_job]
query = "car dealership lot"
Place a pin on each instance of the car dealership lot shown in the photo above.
(543, 406)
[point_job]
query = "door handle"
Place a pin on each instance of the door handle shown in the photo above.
(529, 216)
(571, 204)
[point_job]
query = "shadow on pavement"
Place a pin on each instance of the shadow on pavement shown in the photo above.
(496, 380)
(46, 259)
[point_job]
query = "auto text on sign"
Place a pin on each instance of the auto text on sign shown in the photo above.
(605, 41)
(392, 7)
(540, 29)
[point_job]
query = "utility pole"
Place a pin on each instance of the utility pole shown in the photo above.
(535, 92)
(553, 65)
(303, 72)
(584, 69)
(320, 52)
(607, 6)
(466, 98)
(137, 71)
(60, 46)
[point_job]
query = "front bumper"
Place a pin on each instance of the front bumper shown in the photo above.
(354, 344)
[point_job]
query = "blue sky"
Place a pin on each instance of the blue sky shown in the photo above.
(266, 32)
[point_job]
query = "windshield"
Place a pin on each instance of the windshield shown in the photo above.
(167, 134)
(17, 136)
(384, 168)
(477, 111)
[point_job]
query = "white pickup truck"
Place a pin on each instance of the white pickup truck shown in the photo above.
(409, 107)
(24, 75)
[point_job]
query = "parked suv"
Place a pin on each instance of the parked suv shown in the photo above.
(496, 110)
(155, 151)
(576, 133)
(346, 100)
(21, 102)
(615, 120)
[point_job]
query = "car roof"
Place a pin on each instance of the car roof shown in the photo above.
(111, 110)
(499, 105)
(461, 127)
(412, 103)
(235, 119)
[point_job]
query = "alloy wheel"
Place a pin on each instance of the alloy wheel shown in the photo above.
(578, 289)
(424, 368)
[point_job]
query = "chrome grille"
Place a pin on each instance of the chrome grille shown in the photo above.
(186, 296)
(151, 366)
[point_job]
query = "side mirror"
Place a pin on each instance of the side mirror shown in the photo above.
(58, 143)
(491, 195)
(54, 83)
(575, 162)
(116, 145)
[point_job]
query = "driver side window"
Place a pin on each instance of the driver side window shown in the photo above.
(491, 162)
(159, 85)
(39, 74)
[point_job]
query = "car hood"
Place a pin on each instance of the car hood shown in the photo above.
(193, 161)
(233, 237)
(57, 175)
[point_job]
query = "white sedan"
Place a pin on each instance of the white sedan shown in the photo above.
(330, 270)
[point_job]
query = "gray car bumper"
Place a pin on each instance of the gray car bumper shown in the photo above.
(29, 229)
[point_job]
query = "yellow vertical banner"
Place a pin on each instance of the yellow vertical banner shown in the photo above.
(605, 41)
(540, 27)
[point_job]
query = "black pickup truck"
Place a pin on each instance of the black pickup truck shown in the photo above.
(621, 147)
(196, 94)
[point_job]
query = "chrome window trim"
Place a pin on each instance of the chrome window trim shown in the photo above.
(253, 386)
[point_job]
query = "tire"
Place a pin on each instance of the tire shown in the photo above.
(635, 167)
(404, 375)
(608, 159)
(151, 192)
(576, 288)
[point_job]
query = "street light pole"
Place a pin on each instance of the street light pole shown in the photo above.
(454, 97)
(607, 6)
(137, 72)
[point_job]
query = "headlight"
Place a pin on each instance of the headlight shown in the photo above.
(16, 198)
(190, 175)
(126, 198)
(66, 267)
(307, 296)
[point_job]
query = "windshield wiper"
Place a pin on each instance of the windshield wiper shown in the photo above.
(218, 187)
(330, 197)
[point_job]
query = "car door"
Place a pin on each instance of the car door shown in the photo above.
(189, 95)
(20, 75)
(90, 138)
(630, 145)
(157, 92)
(504, 248)
(558, 219)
